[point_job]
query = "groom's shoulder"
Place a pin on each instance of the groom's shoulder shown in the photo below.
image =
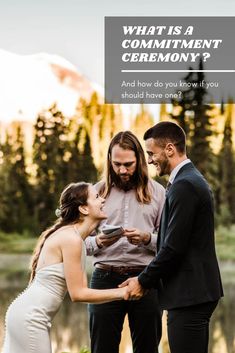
(188, 173)
(192, 180)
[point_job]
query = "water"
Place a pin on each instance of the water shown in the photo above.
(70, 327)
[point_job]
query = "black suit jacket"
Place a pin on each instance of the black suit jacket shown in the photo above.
(185, 268)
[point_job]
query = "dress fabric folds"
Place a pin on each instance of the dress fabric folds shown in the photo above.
(28, 319)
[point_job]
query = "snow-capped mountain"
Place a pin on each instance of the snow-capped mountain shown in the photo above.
(29, 83)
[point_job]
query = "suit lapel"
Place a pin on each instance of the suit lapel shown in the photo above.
(165, 211)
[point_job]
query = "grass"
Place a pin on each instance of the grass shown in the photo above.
(225, 243)
(23, 244)
(14, 243)
(83, 350)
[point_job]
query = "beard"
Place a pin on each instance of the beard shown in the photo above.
(163, 165)
(124, 185)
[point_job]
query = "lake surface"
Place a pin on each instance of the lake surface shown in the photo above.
(70, 327)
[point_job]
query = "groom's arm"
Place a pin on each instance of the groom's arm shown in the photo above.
(183, 202)
(182, 207)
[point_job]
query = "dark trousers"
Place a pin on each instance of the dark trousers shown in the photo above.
(188, 328)
(106, 320)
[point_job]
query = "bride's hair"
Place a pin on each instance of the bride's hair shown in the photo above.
(73, 196)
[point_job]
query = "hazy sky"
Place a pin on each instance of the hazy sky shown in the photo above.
(74, 29)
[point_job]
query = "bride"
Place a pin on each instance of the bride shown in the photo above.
(57, 266)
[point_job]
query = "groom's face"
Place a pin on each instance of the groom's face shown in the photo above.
(157, 156)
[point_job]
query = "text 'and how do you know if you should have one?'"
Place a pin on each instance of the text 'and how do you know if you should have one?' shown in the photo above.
(165, 87)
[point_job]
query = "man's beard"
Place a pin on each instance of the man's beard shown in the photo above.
(124, 185)
(164, 165)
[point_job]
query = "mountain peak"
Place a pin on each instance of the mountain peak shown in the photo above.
(30, 83)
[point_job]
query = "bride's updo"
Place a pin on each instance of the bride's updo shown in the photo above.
(73, 196)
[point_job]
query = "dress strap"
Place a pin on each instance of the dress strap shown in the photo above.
(83, 257)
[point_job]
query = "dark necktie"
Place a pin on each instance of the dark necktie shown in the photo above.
(168, 187)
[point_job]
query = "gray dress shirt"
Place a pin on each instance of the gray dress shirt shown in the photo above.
(123, 209)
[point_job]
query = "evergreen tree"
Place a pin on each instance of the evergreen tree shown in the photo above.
(75, 164)
(226, 173)
(193, 115)
(5, 153)
(51, 157)
(17, 192)
(88, 171)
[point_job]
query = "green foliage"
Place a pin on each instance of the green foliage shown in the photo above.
(227, 174)
(88, 170)
(68, 150)
(225, 242)
(193, 116)
(15, 190)
(15, 243)
(50, 148)
(24, 243)
(83, 350)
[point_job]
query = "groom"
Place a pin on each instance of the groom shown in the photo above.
(185, 268)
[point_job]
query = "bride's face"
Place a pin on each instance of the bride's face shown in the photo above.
(95, 204)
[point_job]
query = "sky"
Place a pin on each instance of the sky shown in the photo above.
(74, 29)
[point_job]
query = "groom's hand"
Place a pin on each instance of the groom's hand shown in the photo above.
(134, 288)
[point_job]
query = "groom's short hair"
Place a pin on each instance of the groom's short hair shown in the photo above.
(165, 132)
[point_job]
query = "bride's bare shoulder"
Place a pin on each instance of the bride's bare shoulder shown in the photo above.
(68, 234)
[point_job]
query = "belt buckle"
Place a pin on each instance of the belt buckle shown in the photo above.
(123, 270)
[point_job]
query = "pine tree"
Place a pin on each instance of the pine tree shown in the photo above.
(88, 171)
(75, 164)
(51, 157)
(5, 153)
(226, 173)
(16, 192)
(194, 116)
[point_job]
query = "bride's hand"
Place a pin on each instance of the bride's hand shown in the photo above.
(125, 293)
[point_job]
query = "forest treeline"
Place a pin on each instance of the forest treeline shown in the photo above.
(72, 149)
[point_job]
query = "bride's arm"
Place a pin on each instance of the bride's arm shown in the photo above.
(71, 248)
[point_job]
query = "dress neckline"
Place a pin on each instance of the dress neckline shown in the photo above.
(47, 266)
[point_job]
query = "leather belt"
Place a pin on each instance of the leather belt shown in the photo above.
(121, 269)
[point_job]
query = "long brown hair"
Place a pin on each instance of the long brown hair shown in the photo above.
(74, 195)
(128, 141)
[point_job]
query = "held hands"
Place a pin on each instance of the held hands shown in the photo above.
(124, 293)
(134, 290)
(136, 236)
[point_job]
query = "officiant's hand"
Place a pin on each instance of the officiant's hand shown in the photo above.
(136, 237)
(103, 241)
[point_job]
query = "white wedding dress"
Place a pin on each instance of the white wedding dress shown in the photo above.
(28, 319)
